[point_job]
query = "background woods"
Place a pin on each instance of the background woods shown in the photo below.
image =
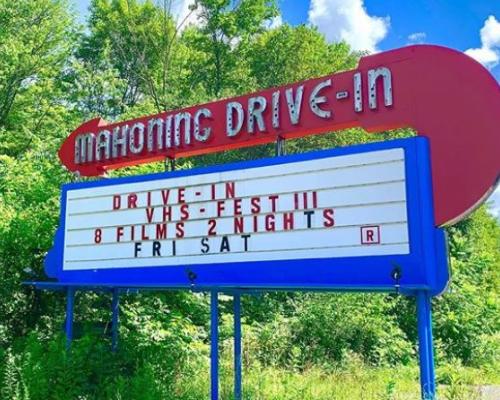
(132, 58)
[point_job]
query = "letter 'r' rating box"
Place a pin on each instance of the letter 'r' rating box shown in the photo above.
(370, 234)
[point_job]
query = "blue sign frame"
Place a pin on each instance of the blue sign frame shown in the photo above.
(425, 268)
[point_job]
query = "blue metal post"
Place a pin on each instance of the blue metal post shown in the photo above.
(430, 340)
(115, 309)
(237, 346)
(70, 302)
(425, 346)
(214, 341)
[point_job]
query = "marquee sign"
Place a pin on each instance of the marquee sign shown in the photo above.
(442, 94)
(359, 218)
(354, 218)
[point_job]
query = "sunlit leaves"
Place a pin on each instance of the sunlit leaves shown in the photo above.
(35, 40)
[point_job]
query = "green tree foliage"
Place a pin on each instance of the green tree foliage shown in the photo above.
(289, 54)
(162, 61)
(226, 30)
(94, 88)
(35, 40)
(29, 199)
(134, 58)
(468, 317)
(135, 37)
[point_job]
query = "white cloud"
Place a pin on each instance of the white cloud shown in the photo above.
(348, 20)
(489, 52)
(417, 38)
(275, 22)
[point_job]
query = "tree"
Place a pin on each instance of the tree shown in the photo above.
(226, 29)
(94, 88)
(140, 41)
(35, 40)
(290, 54)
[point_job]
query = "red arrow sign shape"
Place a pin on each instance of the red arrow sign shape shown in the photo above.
(441, 93)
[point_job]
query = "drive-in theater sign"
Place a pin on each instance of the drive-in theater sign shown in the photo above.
(361, 218)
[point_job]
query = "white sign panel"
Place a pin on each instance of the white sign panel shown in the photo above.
(342, 206)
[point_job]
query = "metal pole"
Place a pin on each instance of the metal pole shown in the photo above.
(431, 344)
(115, 309)
(237, 345)
(169, 164)
(214, 342)
(279, 149)
(70, 302)
(425, 346)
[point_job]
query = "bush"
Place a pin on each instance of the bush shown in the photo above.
(43, 369)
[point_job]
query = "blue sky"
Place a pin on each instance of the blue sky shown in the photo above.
(472, 26)
(452, 23)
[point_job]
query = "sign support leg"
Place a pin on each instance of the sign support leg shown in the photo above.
(214, 342)
(237, 346)
(68, 328)
(425, 346)
(115, 309)
(279, 149)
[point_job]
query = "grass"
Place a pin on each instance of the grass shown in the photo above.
(314, 384)
(48, 373)
(353, 383)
